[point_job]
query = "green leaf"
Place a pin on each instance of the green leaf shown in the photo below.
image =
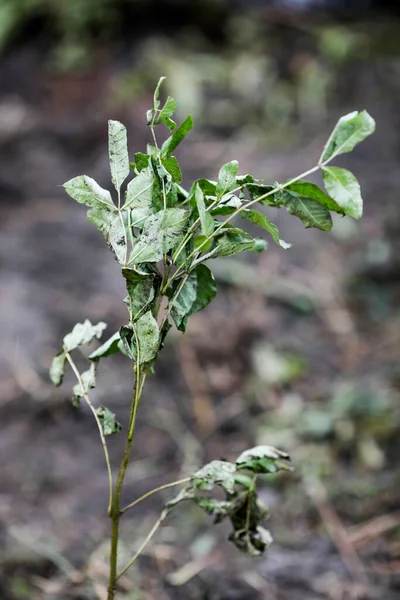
(83, 333)
(172, 166)
(148, 335)
(141, 291)
(206, 220)
(217, 472)
(348, 132)
(126, 344)
(311, 190)
(161, 232)
(57, 368)
(207, 186)
(175, 139)
(232, 242)
(141, 161)
(260, 219)
(118, 153)
(86, 190)
(227, 178)
(112, 228)
(257, 191)
(166, 113)
(197, 292)
(345, 189)
(263, 459)
(108, 422)
(309, 211)
(88, 379)
(111, 346)
(139, 190)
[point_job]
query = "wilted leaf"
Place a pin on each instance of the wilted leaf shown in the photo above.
(227, 178)
(161, 232)
(88, 379)
(127, 341)
(108, 422)
(349, 131)
(83, 333)
(113, 229)
(260, 219)
(148, 334)
(263, 459)
(139, 190)
(175, 139)
(345, 189)
(253, 542)
(217, 472)
(198, 291)
(86, 190)
(141, 291)
(57, 368)
(118, 153)
(111, 346)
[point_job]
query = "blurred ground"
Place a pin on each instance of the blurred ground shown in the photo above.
(300, 349)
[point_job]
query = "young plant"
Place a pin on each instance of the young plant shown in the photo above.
(163, 235)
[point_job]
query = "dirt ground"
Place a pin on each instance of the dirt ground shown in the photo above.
(300, 350)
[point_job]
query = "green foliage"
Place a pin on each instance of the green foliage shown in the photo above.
(345, 189)
(350, 130)
(161, 235)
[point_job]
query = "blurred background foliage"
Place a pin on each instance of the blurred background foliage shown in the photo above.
(300, 349)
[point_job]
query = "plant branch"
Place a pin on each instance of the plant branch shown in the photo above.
(154, 491)
(102, 437)
(116, 513)
(154, 529)
(235, 213)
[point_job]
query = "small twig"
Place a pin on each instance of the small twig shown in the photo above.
(102, 437)
(155, 527)
(154, 491)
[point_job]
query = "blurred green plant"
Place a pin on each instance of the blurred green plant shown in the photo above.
(162, 235)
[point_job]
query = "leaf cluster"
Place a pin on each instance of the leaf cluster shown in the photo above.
(241, 506)
(154, 220)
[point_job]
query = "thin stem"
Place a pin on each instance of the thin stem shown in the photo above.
(102, 437)
(116, 513)
(154, 491)
(249, 498)
(235, 213)
(155, 527)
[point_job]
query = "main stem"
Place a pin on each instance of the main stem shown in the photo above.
(116, 505)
